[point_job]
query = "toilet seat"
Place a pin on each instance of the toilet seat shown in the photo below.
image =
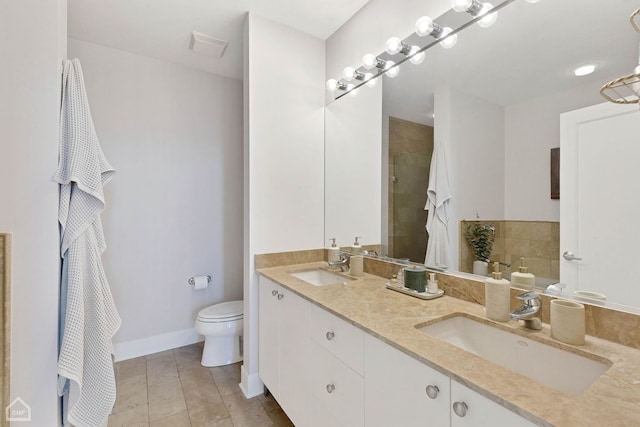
(222, 312)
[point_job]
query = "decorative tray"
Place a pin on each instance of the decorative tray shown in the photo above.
(421, 295)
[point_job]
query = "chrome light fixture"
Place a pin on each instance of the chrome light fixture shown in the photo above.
(475, 9)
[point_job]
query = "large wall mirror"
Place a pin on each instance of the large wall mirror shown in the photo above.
(496, 99)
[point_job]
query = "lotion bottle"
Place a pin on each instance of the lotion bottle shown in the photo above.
(523, 277)
(356, 248)
(497, 295)
(432, 284)
(333, 252)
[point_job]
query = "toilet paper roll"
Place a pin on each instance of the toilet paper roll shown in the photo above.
(200, 282)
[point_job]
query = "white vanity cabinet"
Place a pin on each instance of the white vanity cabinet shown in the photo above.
(336, 365)
(284, 348)
(470, 409)
(402, 391)
(324, 371)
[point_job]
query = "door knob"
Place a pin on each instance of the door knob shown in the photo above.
(460, 408)
(330, 388)
(330, 335)
(274, 292)
(280, 296)
(569, 256)
(432, 391)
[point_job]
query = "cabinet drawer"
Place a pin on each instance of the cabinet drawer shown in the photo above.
(337, 387)
(340, 338)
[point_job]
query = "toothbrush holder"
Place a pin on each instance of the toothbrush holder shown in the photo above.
(567, 321)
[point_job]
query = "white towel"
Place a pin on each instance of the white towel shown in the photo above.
(438, 199)
(91, 318)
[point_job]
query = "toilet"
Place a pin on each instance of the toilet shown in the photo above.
(221, 324)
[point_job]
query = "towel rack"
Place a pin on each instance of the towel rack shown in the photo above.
(192, 281)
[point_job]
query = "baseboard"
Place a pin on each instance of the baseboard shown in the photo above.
(251, 385)
(142, 347)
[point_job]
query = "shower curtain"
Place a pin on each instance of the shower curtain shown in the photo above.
(89, 318)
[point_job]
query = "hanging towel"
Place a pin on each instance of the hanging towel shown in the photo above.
(90, 317)
(438, 199)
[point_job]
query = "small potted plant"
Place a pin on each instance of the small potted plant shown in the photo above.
(480, 237)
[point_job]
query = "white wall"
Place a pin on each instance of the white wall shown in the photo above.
(473, 131)
(532, 129)
(32, 45)
(353, 134)
(174, 136)
(284, 157)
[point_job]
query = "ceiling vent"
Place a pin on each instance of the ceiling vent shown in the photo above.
(207, 45)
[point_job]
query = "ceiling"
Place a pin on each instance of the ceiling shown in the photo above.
(161, 28)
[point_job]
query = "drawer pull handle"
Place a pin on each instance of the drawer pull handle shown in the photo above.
(280, 296)
(460, 408)
(274, 292)
(330, 388)
(432, 391)
(330, 335)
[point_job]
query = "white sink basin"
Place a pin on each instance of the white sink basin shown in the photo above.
(565, 371)
(320, 277)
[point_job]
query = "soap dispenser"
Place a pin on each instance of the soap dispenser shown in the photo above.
(333, 252)
(497, 295)
(523, 277)
(356, 248)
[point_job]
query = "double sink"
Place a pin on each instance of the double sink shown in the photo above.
(566, 371)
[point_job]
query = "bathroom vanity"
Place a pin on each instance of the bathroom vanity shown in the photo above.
(352, 354)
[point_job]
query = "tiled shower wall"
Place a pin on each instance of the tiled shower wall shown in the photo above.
(537, 241)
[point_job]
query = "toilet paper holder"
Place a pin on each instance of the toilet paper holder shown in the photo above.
(192, 281)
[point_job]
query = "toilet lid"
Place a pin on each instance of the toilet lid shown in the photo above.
(226, 310)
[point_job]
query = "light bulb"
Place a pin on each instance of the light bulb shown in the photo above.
(488, 19)
(369, 61)
(417, 58)
(448, 41)
(461, 5)
(332, 84)
(371, 82)
(349, 73)
(354, 92)
(391, 69)
(424, 26)
(394, 45)
(532, 1)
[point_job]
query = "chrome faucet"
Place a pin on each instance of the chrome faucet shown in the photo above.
(343, 263)
(530, 306)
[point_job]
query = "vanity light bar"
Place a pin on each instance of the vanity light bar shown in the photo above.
(484, 14)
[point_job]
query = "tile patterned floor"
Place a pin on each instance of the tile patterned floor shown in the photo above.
(172, 389)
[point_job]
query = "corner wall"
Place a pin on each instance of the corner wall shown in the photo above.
(284, 158)
(32, 46)
(174, 136)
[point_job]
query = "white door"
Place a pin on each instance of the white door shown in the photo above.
(600, 201)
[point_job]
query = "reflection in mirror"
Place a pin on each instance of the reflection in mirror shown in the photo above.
(497, 97)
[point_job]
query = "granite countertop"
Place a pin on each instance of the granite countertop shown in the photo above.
(612, 400)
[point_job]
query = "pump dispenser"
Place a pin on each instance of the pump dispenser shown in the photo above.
(522, 277)
(333, 252)
(356, 248)
(497, 295)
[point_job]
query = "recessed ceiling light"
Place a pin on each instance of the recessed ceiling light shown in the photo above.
(585, 70)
